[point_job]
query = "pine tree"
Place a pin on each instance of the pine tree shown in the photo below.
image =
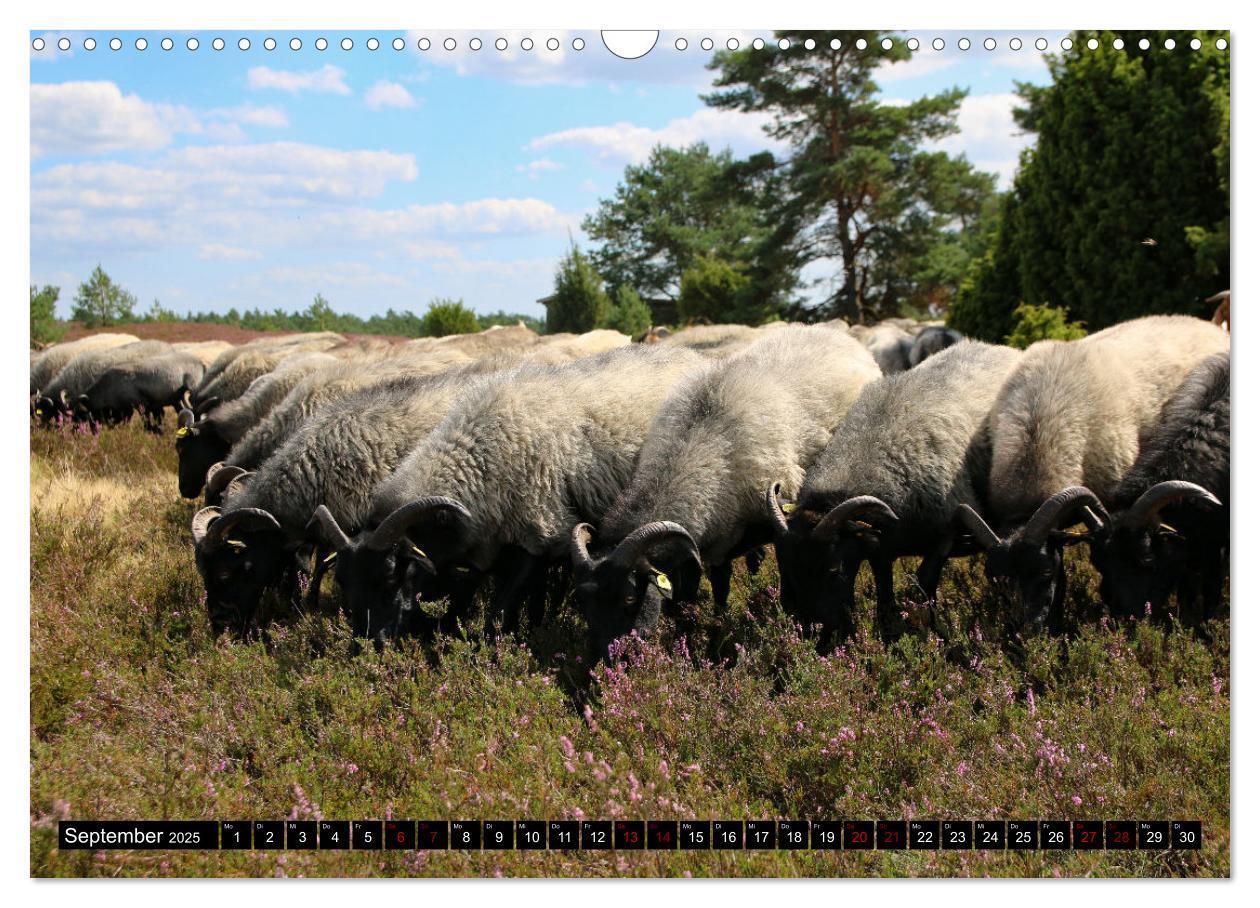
(100, 301)
(579, 303)
(1122, 208)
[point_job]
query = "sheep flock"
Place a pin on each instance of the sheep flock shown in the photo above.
(474, 481)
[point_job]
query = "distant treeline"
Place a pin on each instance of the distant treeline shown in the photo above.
(99, 302)
(443, 317)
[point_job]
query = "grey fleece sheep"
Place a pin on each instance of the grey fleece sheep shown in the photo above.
(201, 443)
(147, 385)
(206, 351)
(241, 372)
(932, 339)
(911, 449)
(713, 341)
(562, 348)
(757, 417)
(497, 488)
(327, 386)
(336, 459)
(82, 372)
(321, 340)
(1066, 427)
(492, 340)
(889, 343)
(1169, 527)
(49, 362)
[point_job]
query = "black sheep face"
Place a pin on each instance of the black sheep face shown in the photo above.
(625, 589)
(237, 573)
(1030, 579)
(1138, 567)
(198, 448)
(380, 588)
(817, 577)
(617, 602)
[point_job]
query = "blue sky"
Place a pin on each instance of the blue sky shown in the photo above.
(209, 179)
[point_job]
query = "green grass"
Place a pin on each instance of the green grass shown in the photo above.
(137, 713)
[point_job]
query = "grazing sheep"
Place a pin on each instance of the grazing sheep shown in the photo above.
(241, 372)
(698, 494)
(492, 340)
(323, 388)
(889, 344)
(148, 385)
(1169, 529)
(1066, 427)
(202, 443)
(358, 348)
(250, 545)
(206, 351)
(78, 375)
(562, 348)
(930, 340)
(713, 341)
(49, 362)
(910, 450)
(321, 340)
(496, 488)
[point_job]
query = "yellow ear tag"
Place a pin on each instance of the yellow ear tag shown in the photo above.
(419, 551)
(789, 507)
(330, 558)
(663, 582)
(181, 432)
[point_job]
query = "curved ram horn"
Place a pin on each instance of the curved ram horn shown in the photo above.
(185, 401)
(1062, 504)
(65, 399)
(396, 524)
(219, 476)
(185, 418)
(778, 520)
(578, 543)
(205, 406)
(245, 518)
(1146, 510)
(858, 506)
(235, 486)
(201, 523)
(628, 551)
(333, 534)
(970, 520)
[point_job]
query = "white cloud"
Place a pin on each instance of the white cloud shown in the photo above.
(336, 274)
(509, 270)
(328, 79)
(623, 142)
(388, 94)
(97, 118)
(231, 253)
(94, 118)
(988, 135)
(921, 63)
(253, 115)
(229, 201)
(431, 250)
(537, 166)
